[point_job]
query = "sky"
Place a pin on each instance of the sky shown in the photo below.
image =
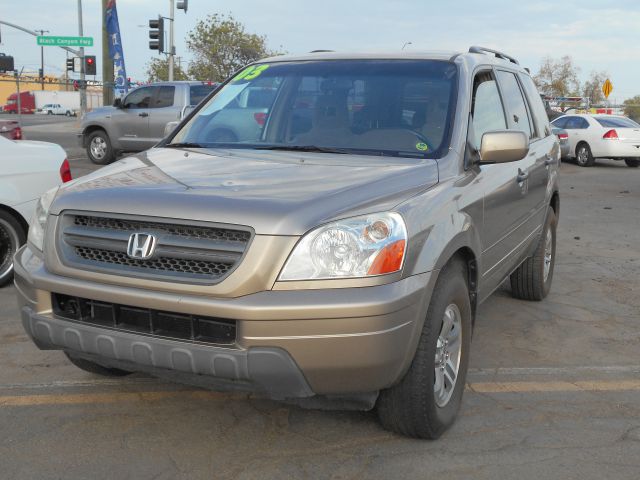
(597, 34)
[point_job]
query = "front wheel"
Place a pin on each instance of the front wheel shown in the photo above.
(632, 162)
(427, 399)
(99, 149)
(12, 237)
(584, 157)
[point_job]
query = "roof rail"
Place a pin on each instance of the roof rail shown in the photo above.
(321, 51)
(498, 54)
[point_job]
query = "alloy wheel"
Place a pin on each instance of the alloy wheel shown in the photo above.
(448, 352)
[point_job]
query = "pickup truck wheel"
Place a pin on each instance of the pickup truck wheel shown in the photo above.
(67, 113)
(632, 162)
(99, 149)
(92, 367)
(425, 402)
(12, 237)
(532, 279)
(584, 158)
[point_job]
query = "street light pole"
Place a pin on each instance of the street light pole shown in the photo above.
(83, 87)
(172, 49)
(41, 32)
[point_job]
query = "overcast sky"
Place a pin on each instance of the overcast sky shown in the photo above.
(598, 34)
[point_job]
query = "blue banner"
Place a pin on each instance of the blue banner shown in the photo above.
(115, 49)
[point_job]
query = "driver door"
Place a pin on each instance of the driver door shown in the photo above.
(131, 122)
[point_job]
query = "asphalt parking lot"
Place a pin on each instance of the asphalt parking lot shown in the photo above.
(553, 391)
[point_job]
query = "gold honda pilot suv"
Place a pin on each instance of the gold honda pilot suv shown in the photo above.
(320, 230)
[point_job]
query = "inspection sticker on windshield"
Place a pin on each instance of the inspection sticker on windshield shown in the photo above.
(423, 147)
(251, 72)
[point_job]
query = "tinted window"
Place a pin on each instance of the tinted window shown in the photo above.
(395, 107)
(165, 97)
(537, 106)
(619, 122)
(514, 102)
(576, 123)
(560, 122)
(199, 93)
(487, 113)
(139, 98)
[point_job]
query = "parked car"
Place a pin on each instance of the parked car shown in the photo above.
(10, 129)
(55, 109)
(28, 169)
(334, 258)
(138, 121)
(601, 136)
(563, 138)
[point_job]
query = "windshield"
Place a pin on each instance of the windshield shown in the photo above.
(619, 122)
(382, 107)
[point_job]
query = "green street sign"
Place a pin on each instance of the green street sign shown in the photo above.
(50, 41)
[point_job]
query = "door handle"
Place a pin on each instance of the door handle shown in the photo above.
(143, 114)
(522, 176)
(548, 159)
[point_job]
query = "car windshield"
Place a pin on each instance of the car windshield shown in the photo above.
(617, 122)
(372, 107)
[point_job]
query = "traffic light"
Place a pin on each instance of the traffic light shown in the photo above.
(156, 34)
(70, 62)
(182, 5)
(90, 65)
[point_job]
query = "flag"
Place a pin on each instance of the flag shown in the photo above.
(115, 49)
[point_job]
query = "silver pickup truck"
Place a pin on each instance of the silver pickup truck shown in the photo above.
(137, 122)
(334, 256)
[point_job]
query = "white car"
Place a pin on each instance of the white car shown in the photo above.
(27, 170)
(601, 136)
(54, 109)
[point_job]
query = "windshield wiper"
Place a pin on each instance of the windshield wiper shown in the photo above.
(184, 145)
(303, 148)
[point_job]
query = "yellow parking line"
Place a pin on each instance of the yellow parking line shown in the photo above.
(486, 387)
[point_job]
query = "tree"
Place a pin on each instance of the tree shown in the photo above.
(158, 71)
(592, 88)
(558, 78)
(220, 46)
(632, 108)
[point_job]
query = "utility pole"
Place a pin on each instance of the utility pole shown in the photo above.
(172, 49)
(107, 62)
(83, 85)
(41, 32)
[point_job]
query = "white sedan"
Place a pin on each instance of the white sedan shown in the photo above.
(601, 136)
(27, 170)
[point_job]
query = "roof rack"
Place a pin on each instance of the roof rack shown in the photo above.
(498, 54)
(321, 51)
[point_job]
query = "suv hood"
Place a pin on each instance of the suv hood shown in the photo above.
(275, 193)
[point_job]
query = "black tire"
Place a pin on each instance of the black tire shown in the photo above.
(92, 367)
(410, 407)
(632, 162)
(49, 112)
(584, 157)
(528, 282)
(12, 236)
(67, 113)
(99, 149)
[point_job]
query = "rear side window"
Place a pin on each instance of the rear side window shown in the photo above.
(486, 112)
(617, 122)
(165, 97)
(514, 101)
(199, 92)
(541, 119)
(560, 122)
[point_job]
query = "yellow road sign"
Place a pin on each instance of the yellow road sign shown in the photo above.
(607, 88)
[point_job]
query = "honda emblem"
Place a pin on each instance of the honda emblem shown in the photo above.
(141, 246)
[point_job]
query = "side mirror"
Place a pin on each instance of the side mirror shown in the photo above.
(168, 128)
(503, 146)
(118, 103)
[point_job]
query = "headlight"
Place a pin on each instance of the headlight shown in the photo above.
(355, 247)
(39, 219)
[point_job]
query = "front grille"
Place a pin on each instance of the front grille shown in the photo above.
(183, 252)
(146, 321)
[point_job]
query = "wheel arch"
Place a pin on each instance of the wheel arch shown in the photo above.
(89, 129)
(15, 214)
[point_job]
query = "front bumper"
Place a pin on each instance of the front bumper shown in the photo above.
(289, 344)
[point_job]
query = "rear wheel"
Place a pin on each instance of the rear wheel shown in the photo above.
(92, 367)
(12, 237)
(632, 162)
(584, 156)
(99, 149)
(425, 402)
(532, 279)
